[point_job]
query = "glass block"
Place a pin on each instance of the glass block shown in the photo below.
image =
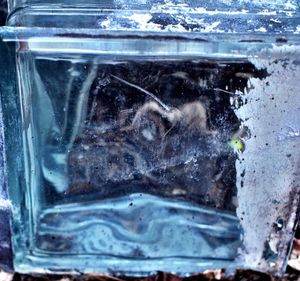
(146, 145)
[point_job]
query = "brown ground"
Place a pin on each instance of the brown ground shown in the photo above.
(241, 275)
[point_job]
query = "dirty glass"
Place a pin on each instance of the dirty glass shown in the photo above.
(155, 143)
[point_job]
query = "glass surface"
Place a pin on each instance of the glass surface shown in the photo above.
(136, 162)
(130, 157)
(145, 140)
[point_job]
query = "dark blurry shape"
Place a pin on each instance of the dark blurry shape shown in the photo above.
(241, 275)
(3, 12)
(5, 247)
(294, 262)
(5, 235)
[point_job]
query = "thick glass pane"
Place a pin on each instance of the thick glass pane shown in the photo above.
(145, 160)
(152, 136)
(130, 158)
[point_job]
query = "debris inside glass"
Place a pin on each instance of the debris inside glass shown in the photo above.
(164, 128)
(138, 157)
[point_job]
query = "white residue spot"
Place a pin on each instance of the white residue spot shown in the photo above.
(267, 13)
(143, 22)
(175, 28)
(211, 27)
(261, 29)
(106, 24)
(140, 18)
(275, 20)
(290, 5)
(5, 204)
(293, 133)
(171, 8)
(148, 135)
(75, 73)
(297, 31)
(4, 276)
